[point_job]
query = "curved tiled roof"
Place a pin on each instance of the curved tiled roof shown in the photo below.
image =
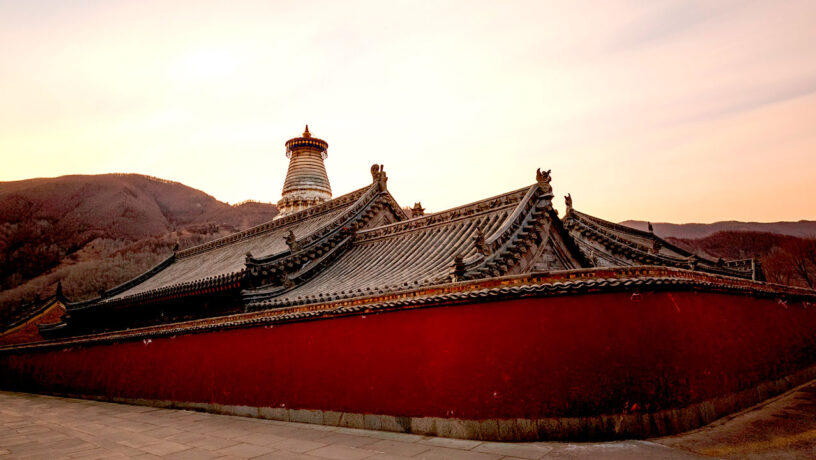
(228, 259)
(414, 252)
(222, 262)
(629, 246)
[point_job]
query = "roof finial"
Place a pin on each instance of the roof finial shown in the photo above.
(543, 178)
(307, 133)
(457, 268)
(59, 295)
(480, 243)
(417, 210)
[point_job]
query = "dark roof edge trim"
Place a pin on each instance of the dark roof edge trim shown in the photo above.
(44, 305)
(124, 286)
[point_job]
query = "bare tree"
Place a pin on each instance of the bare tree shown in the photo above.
(801, 255)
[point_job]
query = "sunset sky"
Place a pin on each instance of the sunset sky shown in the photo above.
(663, 111)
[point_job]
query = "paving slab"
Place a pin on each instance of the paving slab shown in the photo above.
(212, 443)
(164, 448)
(341, 452)
(389, 457)
(404, 449)
(346, 439)
(244, 450)
(259, 438)
(194, 453)
(445, 453)
(523, 450)
(298, 445)
(284, 455)
(463, 444)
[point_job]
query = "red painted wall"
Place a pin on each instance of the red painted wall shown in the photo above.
(558, 356)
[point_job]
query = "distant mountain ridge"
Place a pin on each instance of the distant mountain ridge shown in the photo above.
(801, 229)
(125, 205)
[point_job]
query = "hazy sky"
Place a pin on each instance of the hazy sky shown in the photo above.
(666, 111)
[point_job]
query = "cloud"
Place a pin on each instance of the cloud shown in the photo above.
(661, 21)
(752, 98)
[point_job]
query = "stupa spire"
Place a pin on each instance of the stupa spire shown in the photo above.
(307, 183)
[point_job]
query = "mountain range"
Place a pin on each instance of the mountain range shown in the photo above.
(802, 228)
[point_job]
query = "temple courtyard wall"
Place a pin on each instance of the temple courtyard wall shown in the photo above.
(589, 366)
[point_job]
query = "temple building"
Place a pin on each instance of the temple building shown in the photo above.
(495, 320)
(363, 243)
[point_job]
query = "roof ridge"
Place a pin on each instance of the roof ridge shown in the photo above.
(515, 215)
(360, 203)
(633, 231)
(614, 225)
(178, 289)
(500, 248)
(711, 266)
(274, 224)
(311, 250)
(366, 200)
(122, 287)
(443, 217)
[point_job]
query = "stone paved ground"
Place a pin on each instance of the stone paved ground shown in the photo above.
(44, 427)
(784, 427)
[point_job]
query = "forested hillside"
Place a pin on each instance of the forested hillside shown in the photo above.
(94, 232)
(786, 259)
